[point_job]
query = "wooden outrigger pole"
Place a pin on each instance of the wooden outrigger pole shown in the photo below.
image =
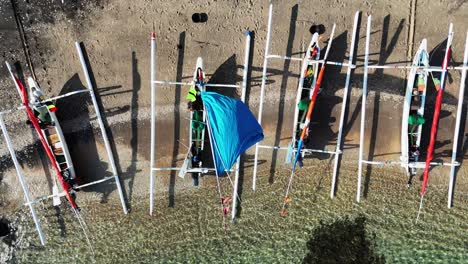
(184, 169)
(306, 61)
(426, 69)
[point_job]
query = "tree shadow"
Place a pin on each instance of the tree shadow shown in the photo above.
(37, 12)
(9, 240)
(7, 232)
(343, 241)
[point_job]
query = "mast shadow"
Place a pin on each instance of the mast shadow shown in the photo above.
(177, 101)
(132, 169)
(283, 88)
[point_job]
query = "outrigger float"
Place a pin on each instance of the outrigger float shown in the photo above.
(221, 115)
(311, 75)
(41, 114)
(413, 114)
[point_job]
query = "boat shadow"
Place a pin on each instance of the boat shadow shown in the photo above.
(83, 145)
(82, 142)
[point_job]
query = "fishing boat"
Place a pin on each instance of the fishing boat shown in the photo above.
(41, 116)
(231, 131)
(305, 89)
(413, 114)
(308, 115)
(52, 132)
(413, 111)
(311, 65)
(193, 160)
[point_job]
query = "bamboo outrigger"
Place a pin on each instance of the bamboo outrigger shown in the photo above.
(413, 110)
(54, 144)
(198, 122)
(310, 61)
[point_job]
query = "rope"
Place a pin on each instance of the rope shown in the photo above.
(85, 229)
(420, 208)
(286, 199)
(221, 201)
(221, 198)
(222, 162)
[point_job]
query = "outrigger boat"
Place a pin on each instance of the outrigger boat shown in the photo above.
(308, 89)
(440, 86)
(413, 112)
(225, 114)
(41, 114)
(50, 128)
(42, 117)
(307, 80)
(52, 132)
(193, 161)
(308, 102)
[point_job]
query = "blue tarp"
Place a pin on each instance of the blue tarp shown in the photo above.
(233, 129)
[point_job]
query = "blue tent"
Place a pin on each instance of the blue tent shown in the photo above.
(233, 129)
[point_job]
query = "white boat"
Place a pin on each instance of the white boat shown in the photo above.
(50, 128)
(193, 162)
(308, 78)
(413, 110)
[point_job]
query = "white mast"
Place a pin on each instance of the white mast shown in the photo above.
(262, 91)
(244, 88)
(461, 96)
(363, 108)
